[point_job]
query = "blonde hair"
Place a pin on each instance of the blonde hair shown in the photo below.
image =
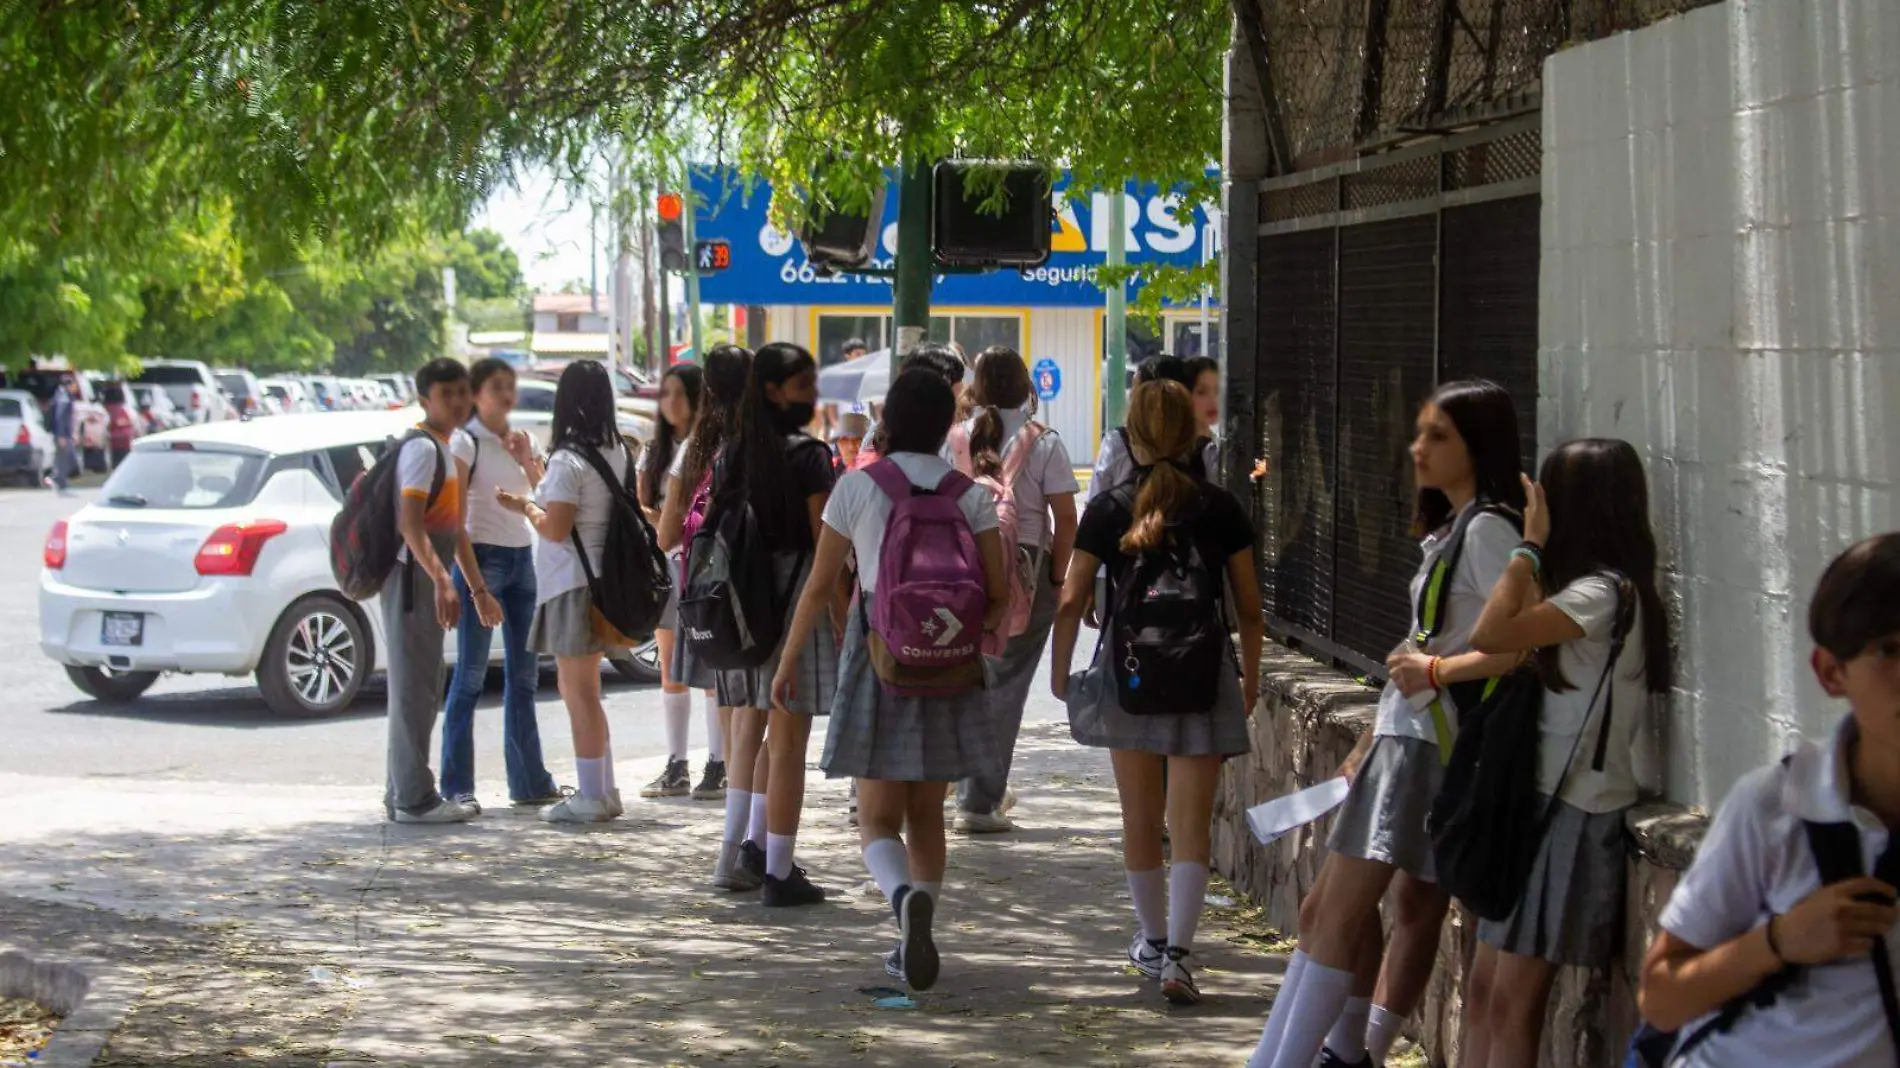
(1161, 431)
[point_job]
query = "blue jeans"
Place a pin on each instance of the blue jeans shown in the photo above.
(509, 574)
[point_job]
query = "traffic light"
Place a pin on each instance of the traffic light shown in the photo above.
(671, 210)
(712, 255)
(964, 234)
(844, 239)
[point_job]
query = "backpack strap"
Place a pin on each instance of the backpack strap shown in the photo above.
(1836, 849)
(954, 484)
(1018, 457)
(890, 479)
(1433, 602)
(1619, 631)
(615, 486)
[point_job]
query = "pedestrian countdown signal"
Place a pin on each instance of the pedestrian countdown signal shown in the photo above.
(712, 255)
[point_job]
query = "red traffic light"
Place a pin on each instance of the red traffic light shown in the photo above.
(670, 207)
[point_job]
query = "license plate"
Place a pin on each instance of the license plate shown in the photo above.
(122, 628)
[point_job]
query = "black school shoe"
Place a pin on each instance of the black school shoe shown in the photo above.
(752, 859)
(1329, 1059)
(916, 951)
(792, 890)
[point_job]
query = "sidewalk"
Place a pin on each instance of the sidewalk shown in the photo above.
(509, 941)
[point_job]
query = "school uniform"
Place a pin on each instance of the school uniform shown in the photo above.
(1571, 911)
(1383, 818)
(1115, 464)
(1095, 715)
(875, 734)
(683, 668)
(563, 614)
(1755, 862)
(412, 653)
(791, 550)
(1046, 472)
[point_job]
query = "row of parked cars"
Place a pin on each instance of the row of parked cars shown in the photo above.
(207, 551)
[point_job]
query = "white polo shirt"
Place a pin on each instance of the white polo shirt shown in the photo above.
(1047, 472)
(1756, 862)
(488, 522)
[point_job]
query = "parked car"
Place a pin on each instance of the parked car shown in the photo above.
(155, 408)
(244, 390)
(194, 389)
(371, 395)
(401, 387)
(534, 413)
(26, 446)
(289, 394)
(208, 552)
(326, 392)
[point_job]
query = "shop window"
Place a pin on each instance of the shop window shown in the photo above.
(568, 323)
(835, 330)
(1187, 337)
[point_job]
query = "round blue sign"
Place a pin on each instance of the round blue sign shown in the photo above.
(1048, 379)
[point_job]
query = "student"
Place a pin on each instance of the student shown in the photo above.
(491, 457)
(1043, 492)
(1465, 461)
(902, 751)
(1588, 559)
(766, 460)
(680, 390)
(847, 438)
(572, 503)
(1753, 903)
(933, 356)
(1113, 465)
(432, 532)
(1189, 520)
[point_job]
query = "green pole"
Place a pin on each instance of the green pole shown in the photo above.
(1115, 328)
(911, 287)
(692, 264)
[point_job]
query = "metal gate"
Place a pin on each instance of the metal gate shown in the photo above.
(1377, 279)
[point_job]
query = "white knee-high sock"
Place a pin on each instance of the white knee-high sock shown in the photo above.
(715, 737)
(1348, 1036)
(608, 758)
(738, 810)
(1187, 896)
(1149, 889)
(1323, 993)
(1281, 1012)
(676, 708)
(755, 830)
(889, 863)
(590, 775)
(778, 854)
(1382, 1031)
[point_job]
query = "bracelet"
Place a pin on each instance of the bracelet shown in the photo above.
(478, 593)
(1768, 932)
(1529, 552)
(1431, 672)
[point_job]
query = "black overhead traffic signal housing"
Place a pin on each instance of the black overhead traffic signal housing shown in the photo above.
(967, 232)
(841, 239)
(671, 211)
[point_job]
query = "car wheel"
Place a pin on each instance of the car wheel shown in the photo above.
(316, 659)
(639, 664)
(113, 687)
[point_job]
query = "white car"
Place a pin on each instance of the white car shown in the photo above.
(290, 395)
(208, 551)
(534, 413)
(401, 387)
(26, 446)
(193, 388)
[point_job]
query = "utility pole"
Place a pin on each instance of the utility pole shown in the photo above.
(692, 262)
(649, 321)
(911, 287)
(1115, 390)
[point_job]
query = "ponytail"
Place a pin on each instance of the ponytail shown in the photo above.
(986, 443)
(1165, 490)
(1161, 434)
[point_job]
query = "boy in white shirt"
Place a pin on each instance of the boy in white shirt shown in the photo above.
(1753, 905)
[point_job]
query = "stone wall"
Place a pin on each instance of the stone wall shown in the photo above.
(1307, 721)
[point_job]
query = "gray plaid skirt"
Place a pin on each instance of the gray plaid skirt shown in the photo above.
(817, 661)
(1383, 818)
(682, 667)
(563, 625)
(1096, 718)
(877, 735)
(1571, 911)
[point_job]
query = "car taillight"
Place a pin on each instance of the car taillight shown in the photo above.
(232, 549)
(55, 555)
(23, 438)
(197, 399)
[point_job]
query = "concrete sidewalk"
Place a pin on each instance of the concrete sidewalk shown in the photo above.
(293, 927)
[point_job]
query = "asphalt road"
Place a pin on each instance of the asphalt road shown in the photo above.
(210, 728)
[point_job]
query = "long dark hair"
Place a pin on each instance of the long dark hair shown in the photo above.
(1486, 419)
(665, 438)
(1599, 520)
(919, 409)
(754, 463)
(935, 357)
(584, 406)
(1001, 381)
(724, 379)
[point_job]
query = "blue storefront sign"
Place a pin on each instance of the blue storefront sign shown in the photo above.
(1047, 378)
(768, 266)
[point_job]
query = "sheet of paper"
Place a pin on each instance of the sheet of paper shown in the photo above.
(1274, 818)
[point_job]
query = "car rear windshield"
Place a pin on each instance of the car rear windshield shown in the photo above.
(172, 376)
(183, 478)
(236, 384)
(10, 409)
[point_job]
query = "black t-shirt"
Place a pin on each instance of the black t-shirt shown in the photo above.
(1221, 530)
(785, 518)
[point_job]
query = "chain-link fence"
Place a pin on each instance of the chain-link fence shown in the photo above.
(1351, 74)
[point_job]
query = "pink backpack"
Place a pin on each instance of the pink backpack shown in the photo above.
(695, 518)
(1022, 586)
(926, 615)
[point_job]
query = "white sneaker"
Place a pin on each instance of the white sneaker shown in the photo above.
(1008, 802)
(1177, 983)
(1146, 956)
(983, 823)
(445, 811)
(578, 809)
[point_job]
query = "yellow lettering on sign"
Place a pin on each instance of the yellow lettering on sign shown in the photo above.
(1068, 233)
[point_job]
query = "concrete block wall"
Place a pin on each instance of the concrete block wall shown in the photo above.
(1721, 244)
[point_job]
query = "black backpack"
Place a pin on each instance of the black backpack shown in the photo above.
(1486, 823)
(633, 585)
(732, 610)
(1434, 600)
(1166, 634)
(364, 536)
(1836, 849)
